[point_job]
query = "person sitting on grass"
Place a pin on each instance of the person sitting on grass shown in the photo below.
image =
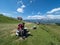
(20, 30)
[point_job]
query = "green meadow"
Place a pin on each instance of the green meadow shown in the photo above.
(43, 35)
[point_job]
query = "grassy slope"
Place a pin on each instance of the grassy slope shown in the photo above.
(44, 35)
(4, 19)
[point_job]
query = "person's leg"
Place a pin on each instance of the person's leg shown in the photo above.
(20, 33)
(24, 34)
(17, 33)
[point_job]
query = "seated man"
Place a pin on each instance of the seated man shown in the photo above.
(20, 29)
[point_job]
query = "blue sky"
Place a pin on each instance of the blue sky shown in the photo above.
(31, 8)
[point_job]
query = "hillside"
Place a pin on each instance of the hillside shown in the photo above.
(5, 19)
(43, 35)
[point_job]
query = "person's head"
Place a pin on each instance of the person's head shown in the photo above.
(23, 23)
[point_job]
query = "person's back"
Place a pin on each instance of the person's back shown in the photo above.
(20, 30)
(20, 27)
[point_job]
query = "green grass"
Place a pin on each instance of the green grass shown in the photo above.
(43, 35)
(5, 19)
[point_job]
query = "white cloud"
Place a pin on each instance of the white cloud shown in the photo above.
(9, 14)
(6, 14)
(23, 6)
(54, 10)
(20, 2)
(53, 16)
(44, 17)
(35, 17)
(20, 10)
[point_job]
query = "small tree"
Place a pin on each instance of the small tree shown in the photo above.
(19, 18)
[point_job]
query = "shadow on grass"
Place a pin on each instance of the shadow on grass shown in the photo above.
(28, 35)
